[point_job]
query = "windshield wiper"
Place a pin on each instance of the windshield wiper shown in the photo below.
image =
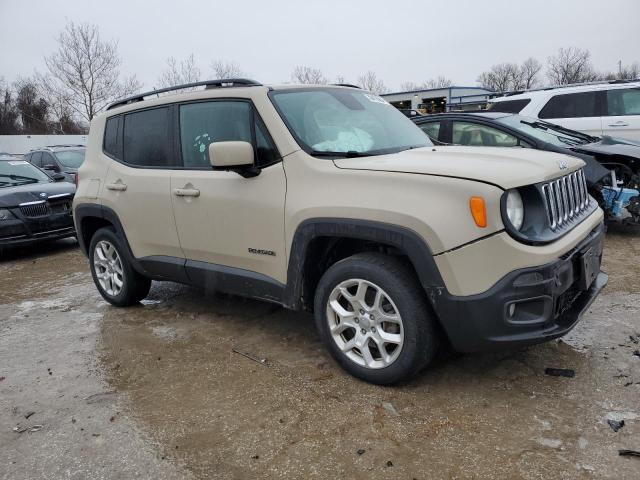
(19, 177)
(348, 154)
(557, 128)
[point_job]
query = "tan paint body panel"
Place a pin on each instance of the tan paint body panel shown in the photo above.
(506, 167)
(476, 267)
(231, 215)
(436, 208)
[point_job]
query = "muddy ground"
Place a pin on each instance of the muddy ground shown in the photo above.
(156, 391)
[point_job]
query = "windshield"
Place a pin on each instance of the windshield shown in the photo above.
(70, 158)
(345, 122)
(19, 172)
(547, 132)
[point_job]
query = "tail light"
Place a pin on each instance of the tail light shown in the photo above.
(76, 179)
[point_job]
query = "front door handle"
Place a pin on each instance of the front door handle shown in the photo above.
(186, 192)
(619, 124)
(118, 187)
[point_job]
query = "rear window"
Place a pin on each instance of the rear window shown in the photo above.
(509, 106)
(147, 138)
(571, 105)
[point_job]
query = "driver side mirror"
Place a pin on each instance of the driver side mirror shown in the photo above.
(58, 177)
(235, 156)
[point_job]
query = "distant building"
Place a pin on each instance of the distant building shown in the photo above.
(438, 100)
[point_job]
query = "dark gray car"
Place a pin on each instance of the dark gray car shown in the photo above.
(63, 159)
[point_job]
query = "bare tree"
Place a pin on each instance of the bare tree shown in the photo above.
(85, 70)
(439, 82)
(624, 72)
(500, 78)
(370, 81)
(529, 73)
(341, 79)
(179, 73)
(308, 75)
(570, 65)
(222, 69)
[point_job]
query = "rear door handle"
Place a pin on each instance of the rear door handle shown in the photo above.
(118, 187)
(186, 192)
(619, 124)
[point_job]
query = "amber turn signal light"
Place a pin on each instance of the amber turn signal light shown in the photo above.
(478, 211)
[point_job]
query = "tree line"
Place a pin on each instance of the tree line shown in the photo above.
(83, 76)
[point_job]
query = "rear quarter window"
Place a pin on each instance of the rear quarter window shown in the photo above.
(509, 106)
(113, 137)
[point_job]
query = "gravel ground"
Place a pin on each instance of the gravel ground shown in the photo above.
(156, 391)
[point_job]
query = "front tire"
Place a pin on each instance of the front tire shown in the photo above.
(373, 317)
(114, 276)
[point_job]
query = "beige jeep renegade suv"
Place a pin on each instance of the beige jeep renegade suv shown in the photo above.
(328, 199)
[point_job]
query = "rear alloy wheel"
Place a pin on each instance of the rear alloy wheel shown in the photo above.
(116, 279)
(108, 267)
(374, 319)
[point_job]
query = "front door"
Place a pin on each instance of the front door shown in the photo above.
(224, 219)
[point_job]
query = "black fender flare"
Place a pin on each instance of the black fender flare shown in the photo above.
(403, 239)
(87, 210)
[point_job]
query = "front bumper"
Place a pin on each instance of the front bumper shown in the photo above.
(527, 306)
(22, 231)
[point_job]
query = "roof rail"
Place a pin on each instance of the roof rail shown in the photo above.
(66, 145)
(568, 85)
(346, 85)
(220, 83)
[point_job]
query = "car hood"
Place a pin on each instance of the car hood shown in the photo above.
(610, 146)
(504, 167)
(32, 192)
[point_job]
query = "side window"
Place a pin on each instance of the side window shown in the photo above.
(432, 130)
(47, 159)
(509, 106)
(113, 137)
(465, 133)
(571, 105)
(27, 157)
(624, 101)
(206, 122)
(147, 138)
(266, 152)
(36, 159)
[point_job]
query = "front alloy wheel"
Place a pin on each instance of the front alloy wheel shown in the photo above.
(365, 323)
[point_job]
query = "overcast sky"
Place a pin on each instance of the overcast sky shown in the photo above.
(399, 40)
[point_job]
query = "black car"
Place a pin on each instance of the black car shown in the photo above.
(612, 165)
(63, 159)
(33, 205)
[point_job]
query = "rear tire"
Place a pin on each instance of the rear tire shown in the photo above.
(373, 317)
(114, 276)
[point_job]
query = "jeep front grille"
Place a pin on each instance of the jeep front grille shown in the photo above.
(566, 198)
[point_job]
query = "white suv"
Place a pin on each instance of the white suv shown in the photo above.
(606, 108)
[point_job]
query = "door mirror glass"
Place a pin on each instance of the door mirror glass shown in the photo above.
(231, 154)
(58, 177)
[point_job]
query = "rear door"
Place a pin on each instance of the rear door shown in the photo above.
(578, 111)
(622, 117)
(137, 184)
(226, 219)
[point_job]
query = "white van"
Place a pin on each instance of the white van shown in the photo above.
(603, 108)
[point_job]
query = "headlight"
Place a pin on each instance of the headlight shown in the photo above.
(5, 214)
(515, 209)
